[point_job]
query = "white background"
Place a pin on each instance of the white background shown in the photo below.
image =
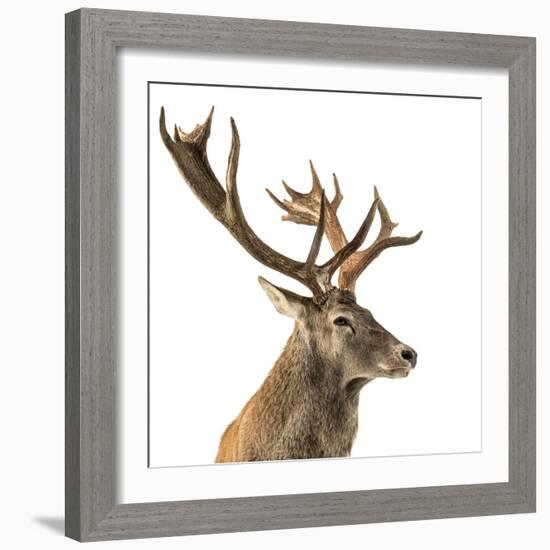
(32, 292)
(214, 335)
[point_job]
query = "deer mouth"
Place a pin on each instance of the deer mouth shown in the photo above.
(400, 371)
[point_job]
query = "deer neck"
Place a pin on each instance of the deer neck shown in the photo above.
(302, 362)
(312, 397)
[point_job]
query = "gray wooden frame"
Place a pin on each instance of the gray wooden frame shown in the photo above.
(92, 39)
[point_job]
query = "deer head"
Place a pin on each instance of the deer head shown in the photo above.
(343, 334)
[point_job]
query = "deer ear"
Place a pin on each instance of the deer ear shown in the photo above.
(286, 302)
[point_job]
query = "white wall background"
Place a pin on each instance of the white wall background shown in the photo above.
(31, 300)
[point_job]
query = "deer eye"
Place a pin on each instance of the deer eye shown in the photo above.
(341, 321)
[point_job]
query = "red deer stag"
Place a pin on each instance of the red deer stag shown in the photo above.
(307, 406)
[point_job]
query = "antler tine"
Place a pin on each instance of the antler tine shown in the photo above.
(317, 237)
(316, 186)
(351, 271)
(338, 197)
(189, 153)
(386, 225)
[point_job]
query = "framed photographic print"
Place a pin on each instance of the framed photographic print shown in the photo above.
(300, 275)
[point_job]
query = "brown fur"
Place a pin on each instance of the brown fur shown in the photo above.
(300, 411)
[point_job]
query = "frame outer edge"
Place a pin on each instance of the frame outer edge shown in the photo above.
(72, 276)
(91, 39)
(522, 283)
(91, 283)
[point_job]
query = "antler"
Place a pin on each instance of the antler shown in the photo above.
(189, 153)
(304, 207)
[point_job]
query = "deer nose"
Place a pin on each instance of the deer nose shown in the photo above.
(409, 355)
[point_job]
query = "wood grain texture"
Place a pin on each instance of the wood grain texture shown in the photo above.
(72, 277)
(91, 257)
(522, 275)
(92, 37)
